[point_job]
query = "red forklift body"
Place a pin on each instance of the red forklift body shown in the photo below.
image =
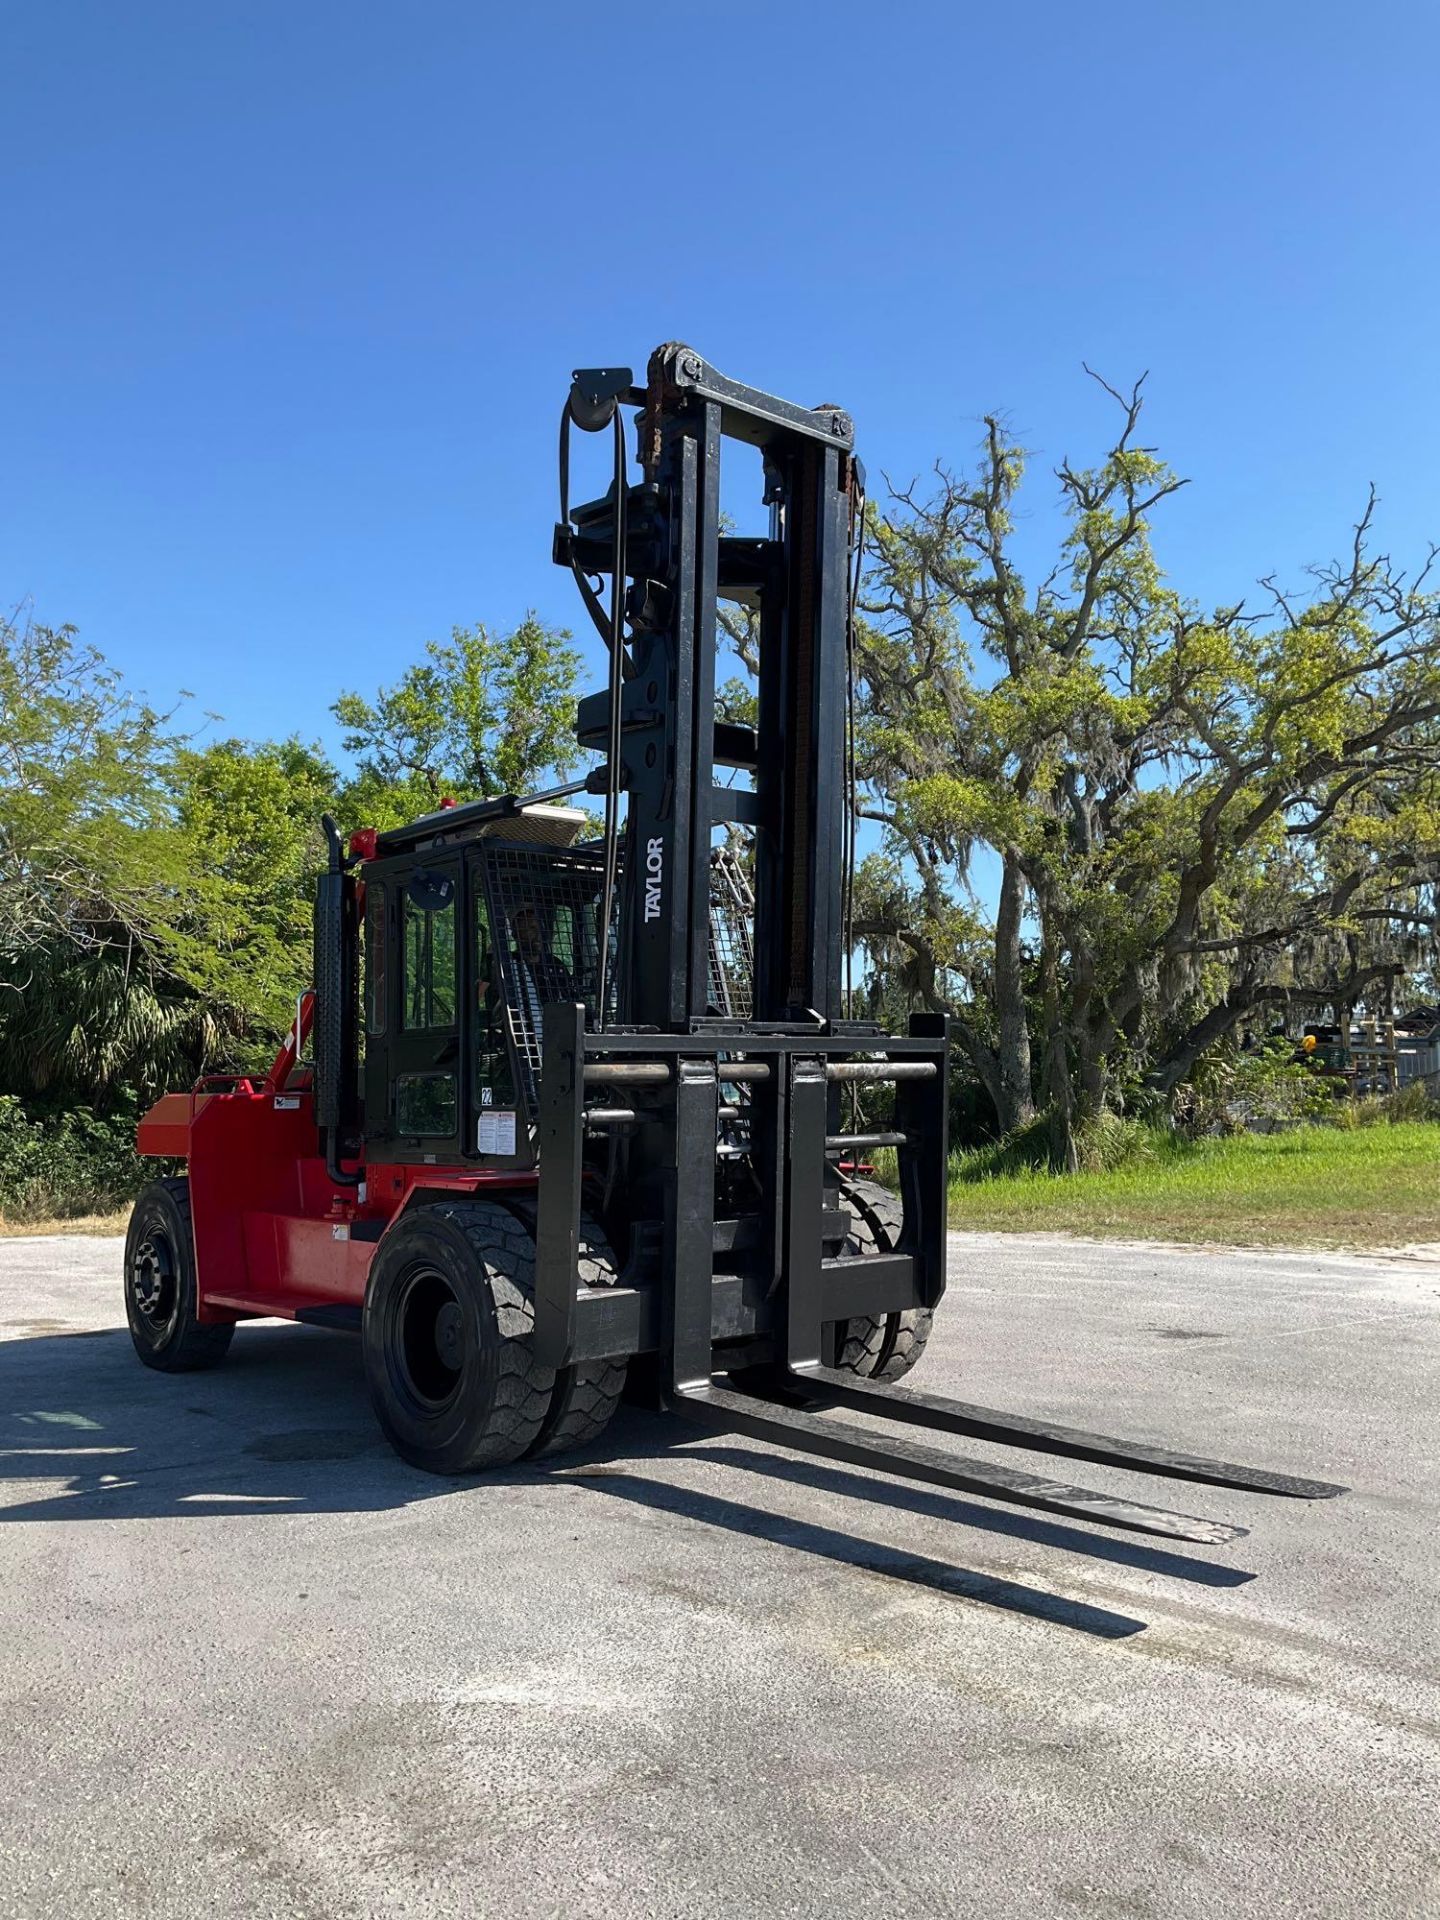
(274, 1235)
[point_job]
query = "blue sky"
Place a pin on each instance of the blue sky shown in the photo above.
(294, 290)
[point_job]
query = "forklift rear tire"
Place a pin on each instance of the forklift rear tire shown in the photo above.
(447, 1330)
(160, 1287)
(887, 1346)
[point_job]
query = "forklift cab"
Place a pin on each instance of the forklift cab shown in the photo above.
(469, 936)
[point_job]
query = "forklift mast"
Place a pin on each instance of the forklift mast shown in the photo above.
(670, 562)
(679, 564)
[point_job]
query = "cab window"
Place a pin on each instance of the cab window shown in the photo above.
(428, 986)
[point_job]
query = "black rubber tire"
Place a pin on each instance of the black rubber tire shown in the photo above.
(585, 1396)
(887, 1346)
(160, 1284)
(447, 1331)
(469, 1394)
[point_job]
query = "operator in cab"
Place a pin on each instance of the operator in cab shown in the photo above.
(552, 979)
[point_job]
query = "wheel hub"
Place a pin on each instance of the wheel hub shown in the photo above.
(152, 1279)
(450, 1335)
(430, 1323)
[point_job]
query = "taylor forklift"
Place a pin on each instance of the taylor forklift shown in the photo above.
(576, 1107)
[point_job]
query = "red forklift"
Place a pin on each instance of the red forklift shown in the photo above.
(576, 1104)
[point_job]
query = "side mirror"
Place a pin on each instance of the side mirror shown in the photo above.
(430, 892)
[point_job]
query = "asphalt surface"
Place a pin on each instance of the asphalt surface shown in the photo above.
(250, 1664)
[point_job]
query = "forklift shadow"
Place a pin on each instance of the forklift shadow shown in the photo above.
(285, 1426)
(608, 1467)
(282, 1426)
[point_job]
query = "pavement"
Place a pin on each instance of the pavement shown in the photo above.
(251, 1664)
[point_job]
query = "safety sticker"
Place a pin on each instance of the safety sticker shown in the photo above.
(497, 1131)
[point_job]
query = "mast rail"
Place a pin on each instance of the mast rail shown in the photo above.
(881, 1070)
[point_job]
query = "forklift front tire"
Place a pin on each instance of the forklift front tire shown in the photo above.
(886, 1347)
(585, 1396)
(160, 1288)
(449, 1315)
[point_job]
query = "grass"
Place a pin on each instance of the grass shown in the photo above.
(93, 1224)
(1375, 1186)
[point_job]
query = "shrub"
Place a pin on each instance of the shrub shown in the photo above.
(1231, 1091)
(1110, 1141)
(1107, 1142)
(1408, 1103)
(59, 1166)
(1027, 1150)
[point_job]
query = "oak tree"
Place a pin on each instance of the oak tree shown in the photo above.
(1194, 813)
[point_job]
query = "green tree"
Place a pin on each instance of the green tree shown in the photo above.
(87, 841)
(250, 815)
(96, 880)
(483, 714)
(1193, 813)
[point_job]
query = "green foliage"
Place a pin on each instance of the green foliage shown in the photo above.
(90, 852)
(1232, 1089)
(1405, 1106)
(1107, 1141)
(251, 820)
(1196, 813)
(101, 895)
(64, 1165)
(1025, 1150)
(1104, 1143)
(482, 714)
(156, 894)
(1414, 1102)
(89, 1023)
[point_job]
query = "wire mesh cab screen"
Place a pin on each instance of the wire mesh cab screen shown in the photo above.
(542, 942)
(539, 941)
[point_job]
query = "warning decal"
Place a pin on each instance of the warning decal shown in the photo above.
(497, 1131)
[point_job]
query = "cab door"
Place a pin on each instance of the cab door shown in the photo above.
(415, 1070)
